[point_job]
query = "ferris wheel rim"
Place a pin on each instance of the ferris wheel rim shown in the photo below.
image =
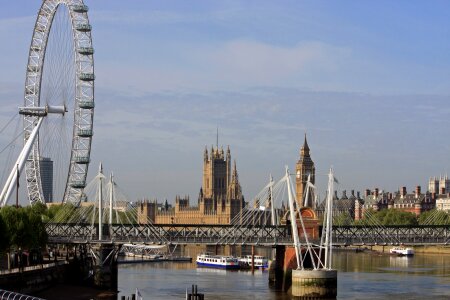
(83, 110)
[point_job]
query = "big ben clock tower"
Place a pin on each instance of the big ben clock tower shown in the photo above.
(304, 169)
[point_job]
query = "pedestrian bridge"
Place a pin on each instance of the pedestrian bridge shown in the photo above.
(259, 235)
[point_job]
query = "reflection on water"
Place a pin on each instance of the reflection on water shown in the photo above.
(381, 276)
(361, 276)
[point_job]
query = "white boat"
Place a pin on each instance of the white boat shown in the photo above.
(259, 261)
(402, 251)
(217, 261)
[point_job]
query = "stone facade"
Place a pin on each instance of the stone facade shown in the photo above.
(346, 204)
(376, 200)
(416, 202)
(439, 185)
(220, 198)
(443, 202)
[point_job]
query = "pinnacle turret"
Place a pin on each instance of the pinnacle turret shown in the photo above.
(234, 174)
(305, 148)
(205, 154)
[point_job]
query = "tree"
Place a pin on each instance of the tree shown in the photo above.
(17, 226)
(23, 227)
(343, 219)
(4, 235)
(387, 217)
(398, 217)
(39, 208)
(434, 217)
(37, 232)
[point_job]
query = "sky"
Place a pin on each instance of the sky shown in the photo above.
(367, 81)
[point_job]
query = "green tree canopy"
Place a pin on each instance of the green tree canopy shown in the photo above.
(4, 235)
(23, 227)
(387, 217)
(434, 217)
(398, 217)
(343, 219)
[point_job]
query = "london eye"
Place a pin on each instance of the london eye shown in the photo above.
(58, 107)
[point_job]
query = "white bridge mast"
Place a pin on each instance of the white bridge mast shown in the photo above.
(329, 220)
(294, 227)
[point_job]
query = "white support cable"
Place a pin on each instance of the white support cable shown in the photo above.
(305, 234)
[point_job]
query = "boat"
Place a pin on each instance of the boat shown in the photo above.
(402, 251)
(217, 261)
(129, 259)
(259, 262)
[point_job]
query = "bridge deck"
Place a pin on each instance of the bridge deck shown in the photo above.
(244, 235)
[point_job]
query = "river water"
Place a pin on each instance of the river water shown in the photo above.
(365, 275)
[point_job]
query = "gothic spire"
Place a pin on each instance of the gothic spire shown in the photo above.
(305, 148)
(234, 174)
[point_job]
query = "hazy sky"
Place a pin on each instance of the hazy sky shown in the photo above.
(369, 81)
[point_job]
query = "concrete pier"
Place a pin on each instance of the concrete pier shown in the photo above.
(105, 268)
(276, 269)
(314, 284)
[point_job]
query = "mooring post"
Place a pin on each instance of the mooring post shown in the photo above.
(253, 259)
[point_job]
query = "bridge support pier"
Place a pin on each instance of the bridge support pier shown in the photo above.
(314, 284)
(277, 270)
(105, 268)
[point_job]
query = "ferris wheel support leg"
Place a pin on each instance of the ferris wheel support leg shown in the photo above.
(12, 178)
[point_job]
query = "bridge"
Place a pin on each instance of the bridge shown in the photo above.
(264, 236)
(99, 222)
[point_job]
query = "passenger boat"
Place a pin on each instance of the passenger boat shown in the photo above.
(260, 261)
(402, 251)
(217, 261)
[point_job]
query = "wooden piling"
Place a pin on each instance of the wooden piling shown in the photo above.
(253, 259)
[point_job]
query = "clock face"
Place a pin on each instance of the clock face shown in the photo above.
(298, 173)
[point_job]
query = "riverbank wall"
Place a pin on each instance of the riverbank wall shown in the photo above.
(31, 279)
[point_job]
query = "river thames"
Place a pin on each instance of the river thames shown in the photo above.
(365, 275)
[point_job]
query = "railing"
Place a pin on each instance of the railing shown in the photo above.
(32, 268)
(245, 235)
(417, 235)
(172, 234)
(7, 295)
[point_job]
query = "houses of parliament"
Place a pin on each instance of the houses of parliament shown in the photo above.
(220, 198)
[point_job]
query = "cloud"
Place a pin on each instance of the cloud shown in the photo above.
(232, 65)
(256, 63)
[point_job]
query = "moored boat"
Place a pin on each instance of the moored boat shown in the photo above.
(217, 261)
(259, 262)
(402, 251)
